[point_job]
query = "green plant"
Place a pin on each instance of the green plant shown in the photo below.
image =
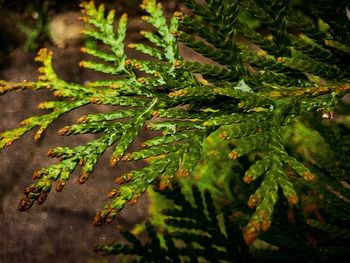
(256, 126)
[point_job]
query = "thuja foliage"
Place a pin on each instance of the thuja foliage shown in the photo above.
(256, 127)
(195, 226)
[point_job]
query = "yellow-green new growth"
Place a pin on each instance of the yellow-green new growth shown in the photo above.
(247, 102)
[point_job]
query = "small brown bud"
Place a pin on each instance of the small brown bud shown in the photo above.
(65, 130)
(82, 119)
(265, 225)
(94, 100)
(144, 18)
(127, 157)
(250, 235)
(41, 70)
(142, 80)
(175, 33)
(293, 200)
(137, 65)
(178, 64)
(25, 204)
(127, 62)
(113, 193)
(182, 172)
(83, 18)
(26, 121)
(156, 113)
(178, 93)
(223, 135)
(60, 185)
(39, 133)
(123, 179)
(247, 179)
(99, 219)
(37, 175)
(179, 15)
(42, 198)
(165, 183)
(233, 155)
(8, 143)
(114, 160)
(149, 126)
(58, 93)
(309, 176)
(50, 153)
(83, 178)
(133, 201)
(132, 45)
(253, 201)
(82, 64)
(27, 190)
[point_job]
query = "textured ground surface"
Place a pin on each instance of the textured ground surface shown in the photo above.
(60, 230)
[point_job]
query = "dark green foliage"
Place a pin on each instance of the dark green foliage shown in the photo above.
(195, 234)
(267, 101)
(195, 231)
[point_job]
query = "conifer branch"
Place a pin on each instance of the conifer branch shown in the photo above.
(248, 103)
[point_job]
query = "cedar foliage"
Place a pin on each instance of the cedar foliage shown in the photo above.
(257, 127)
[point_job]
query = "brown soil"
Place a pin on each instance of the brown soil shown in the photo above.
(60, 230)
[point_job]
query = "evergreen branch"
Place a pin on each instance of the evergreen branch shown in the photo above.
(196, 226)
(247, 107)
(104, 31)
(12, 86)
(158, 20)
(43, 121)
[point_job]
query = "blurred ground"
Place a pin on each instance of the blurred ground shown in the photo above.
(60, 230)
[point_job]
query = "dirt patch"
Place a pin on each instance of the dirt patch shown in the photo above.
(60, 230)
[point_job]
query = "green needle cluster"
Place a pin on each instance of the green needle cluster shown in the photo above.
(256, 126)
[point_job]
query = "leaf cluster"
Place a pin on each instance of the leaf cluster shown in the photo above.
(262, 84)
